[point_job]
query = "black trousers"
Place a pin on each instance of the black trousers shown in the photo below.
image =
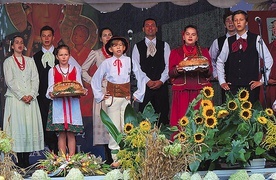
(160, 101)
(253, 94)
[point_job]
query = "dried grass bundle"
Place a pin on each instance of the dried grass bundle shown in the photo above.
(8, 169)
(157, 164)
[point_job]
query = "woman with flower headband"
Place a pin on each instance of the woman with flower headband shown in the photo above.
(96, 57)
(187, 82)
(22, 119)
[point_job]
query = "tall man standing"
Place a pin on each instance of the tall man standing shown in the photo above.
(238, 64)
(153, 57)
(44, 60)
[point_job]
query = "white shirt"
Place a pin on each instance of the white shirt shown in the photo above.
(214, 53)
(109, 71)
(167, 51)
(222, 58)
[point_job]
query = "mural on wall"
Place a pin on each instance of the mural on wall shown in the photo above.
(70, 26)
(74, 25)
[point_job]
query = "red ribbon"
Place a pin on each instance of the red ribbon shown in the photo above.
(118, 63)
(65, 112)
(240, 42)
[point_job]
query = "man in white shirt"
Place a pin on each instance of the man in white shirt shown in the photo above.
(153, 57)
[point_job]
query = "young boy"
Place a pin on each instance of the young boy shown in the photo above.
(116, 70)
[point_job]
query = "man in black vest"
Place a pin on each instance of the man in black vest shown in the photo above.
(153, 57)
(43, 66)
(217, 44)
(238, 64)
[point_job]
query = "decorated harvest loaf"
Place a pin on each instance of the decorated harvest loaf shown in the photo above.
(68, 88)
(199, 61)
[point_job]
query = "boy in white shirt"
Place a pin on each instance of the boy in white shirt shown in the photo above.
(116, 70)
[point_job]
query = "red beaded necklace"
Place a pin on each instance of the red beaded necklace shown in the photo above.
(21, 66)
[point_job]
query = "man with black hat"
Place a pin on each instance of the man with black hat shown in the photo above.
(116, 70)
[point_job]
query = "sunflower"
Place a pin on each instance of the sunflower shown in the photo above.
(199, 120)
(232, 105)
(269, 112)
(243, 94)
(246, 105)
(223, 113)
(208, 92)
(199, 137)
(145, 125)
(182, 137)
(183, 121)
(211, 122)
(206, 102)
(245, 114)
(208, 111)
(128, 128)
(262, 119)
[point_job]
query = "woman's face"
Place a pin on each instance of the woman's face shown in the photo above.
(18, 45)
(190, 36)
(106, 35)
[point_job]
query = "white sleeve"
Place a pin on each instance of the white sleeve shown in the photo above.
(96, 82)
(213, 51)
(222, 58)
(136, 59)
(165, 73)
(90, 61)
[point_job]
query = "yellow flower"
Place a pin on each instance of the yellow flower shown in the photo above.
(223, 113)
(262, 119)
(269, 112)
(208, 111)
(182, 137)
(245, 114)
(232, 105)
(211, 122)
(206, 102)
(128, 128)
(145, 125)
(199, 120)
(243, 95)
(246, 105)
(208, 92)
(199, 137)
(183, 121)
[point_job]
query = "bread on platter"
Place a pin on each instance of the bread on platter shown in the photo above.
(68, 88)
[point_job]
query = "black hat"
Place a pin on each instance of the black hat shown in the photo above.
(108, 44)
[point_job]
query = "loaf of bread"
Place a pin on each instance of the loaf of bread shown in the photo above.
(199, 61)
(68, 88)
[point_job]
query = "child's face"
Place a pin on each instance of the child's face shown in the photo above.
(63, 56)
(117, 48)
(18, 45)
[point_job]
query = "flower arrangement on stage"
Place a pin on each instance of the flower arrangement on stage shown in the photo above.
(60, 165)
(235, 132)
(8, 170)
(146, 151)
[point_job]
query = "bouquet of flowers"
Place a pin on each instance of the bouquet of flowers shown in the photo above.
(146, 151)
(60, 165)
(234, 132)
